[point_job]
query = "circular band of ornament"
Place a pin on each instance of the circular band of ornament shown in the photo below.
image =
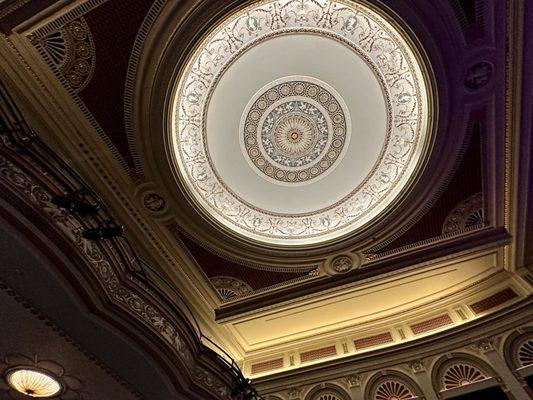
(384, 49)
(295, 130)
(342, 264)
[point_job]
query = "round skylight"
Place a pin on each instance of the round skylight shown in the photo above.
(296, 122)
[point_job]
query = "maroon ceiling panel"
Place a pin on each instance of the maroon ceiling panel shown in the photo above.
(466, 182)
(114, 26)
(214, 265)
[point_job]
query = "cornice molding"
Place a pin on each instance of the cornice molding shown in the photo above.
(506, 320)
(471, 243)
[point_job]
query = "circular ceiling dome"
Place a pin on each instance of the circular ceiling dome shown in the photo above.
(296, 122)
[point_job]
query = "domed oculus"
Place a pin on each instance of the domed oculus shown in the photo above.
(297, 122)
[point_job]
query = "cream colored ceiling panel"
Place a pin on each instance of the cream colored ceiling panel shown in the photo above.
(379, 300)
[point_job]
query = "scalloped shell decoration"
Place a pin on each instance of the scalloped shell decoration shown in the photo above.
(393, 390)
(460, 375)
(525, 353)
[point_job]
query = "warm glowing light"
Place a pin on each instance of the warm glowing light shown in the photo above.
(33, 383)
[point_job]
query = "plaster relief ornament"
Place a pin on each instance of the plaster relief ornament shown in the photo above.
(478, 75)
(229, 287)
(277, 143)
(70, 50)
(154, 202)
(295, 130)
(342, 264)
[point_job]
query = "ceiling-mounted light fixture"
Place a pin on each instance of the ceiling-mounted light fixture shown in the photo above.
(75, 203)
(33, 383)
(103, 232)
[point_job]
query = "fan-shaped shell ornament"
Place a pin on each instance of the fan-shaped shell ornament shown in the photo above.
(328, 394)
(229, 287)
(393, 390)
(460, 375)
(226, 293)
(525, 353)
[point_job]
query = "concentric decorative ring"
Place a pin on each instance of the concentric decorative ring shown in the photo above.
(294, 130)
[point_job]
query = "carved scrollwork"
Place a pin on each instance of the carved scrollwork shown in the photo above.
(206, 379)
(467, 214)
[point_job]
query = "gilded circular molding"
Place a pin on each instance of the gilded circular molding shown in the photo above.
(518, 348)
(294, 148)
(478, 75)
(154, 202)
(295, 130)
(343, 263)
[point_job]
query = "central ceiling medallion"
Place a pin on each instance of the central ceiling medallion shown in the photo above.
(294, 130)
(297, 122)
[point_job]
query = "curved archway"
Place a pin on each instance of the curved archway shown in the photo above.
(518, 349)
(389, 385)
(459, 369)
(327, 391)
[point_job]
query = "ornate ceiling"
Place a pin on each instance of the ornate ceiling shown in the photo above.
(316, 179)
